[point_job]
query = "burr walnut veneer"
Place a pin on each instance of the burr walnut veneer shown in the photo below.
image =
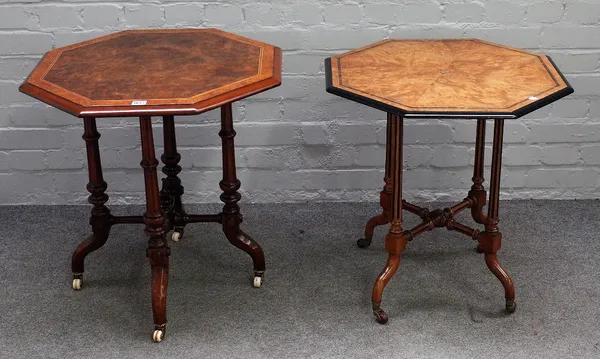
(157, 73)
(452, 78)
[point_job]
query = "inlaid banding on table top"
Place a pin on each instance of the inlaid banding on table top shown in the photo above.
(445, 77)
(196, 69)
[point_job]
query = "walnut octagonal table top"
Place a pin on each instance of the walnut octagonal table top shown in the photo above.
(465, 78)
(154, 72)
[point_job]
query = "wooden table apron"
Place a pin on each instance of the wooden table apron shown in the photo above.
(392, 204)
(164, 208)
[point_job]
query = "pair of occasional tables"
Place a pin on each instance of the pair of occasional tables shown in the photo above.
(168, 73)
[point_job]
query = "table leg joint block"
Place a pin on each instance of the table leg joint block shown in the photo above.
(490, 242)
(158, 256)
(231, 221)
(396, 242)
(385, 200)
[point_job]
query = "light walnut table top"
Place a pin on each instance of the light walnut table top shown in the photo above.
(465, 78)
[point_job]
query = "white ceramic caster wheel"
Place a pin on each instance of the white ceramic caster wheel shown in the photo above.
(257, 281)
(158, 336)
(176, 236)
(76, 284)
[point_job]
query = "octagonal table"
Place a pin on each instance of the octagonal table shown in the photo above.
(447, 78)
(157, 73)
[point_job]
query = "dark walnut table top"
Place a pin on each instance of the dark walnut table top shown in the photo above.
(464, 78)
(154, 72)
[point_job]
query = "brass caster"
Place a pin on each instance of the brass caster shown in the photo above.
(380, 316)
(363, 242)
(158, 336)
(511, 306)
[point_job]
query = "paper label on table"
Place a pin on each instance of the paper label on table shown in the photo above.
(138, 103)
(532, 98)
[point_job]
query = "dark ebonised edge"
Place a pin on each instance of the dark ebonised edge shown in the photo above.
(454, 114)
(548, 99)
(354, 97)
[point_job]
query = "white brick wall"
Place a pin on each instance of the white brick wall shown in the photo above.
(298, 143)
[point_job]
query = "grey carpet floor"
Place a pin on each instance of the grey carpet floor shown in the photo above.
(315, 302)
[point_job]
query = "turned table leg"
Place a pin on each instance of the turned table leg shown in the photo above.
(490, 239)
(384, 196)
(477, 193)
(231, 217)
(100, 218)
(172, 190)
(396, 239)
(158, 252)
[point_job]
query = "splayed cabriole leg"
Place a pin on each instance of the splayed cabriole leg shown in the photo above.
(490, 240)
(231, 217)
(385, 195)
(172, 190)
(158, 252)
(396, 239)
(100, 219)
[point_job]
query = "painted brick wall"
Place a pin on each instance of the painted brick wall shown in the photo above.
(298, 143)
